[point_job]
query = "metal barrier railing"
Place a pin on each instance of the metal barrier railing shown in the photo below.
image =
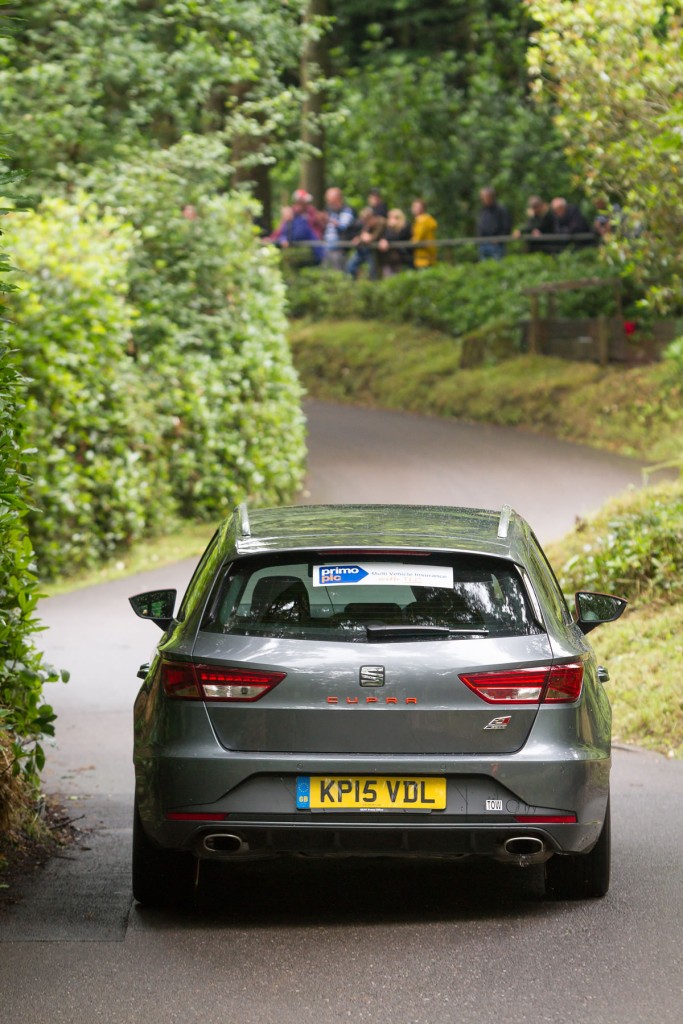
(444, 243)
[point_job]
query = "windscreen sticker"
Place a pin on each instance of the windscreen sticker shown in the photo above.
(366, 574)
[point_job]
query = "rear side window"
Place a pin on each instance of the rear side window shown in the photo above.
(318, 598)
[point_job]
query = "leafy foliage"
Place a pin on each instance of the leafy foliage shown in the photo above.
(637, 551)
(206, 413)
(170, 68)
(613, 68)
(210, 336)
(24, 717)
(458, 299)
(413, 130)
(95, 484)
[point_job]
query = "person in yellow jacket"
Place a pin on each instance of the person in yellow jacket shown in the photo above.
(424, 230)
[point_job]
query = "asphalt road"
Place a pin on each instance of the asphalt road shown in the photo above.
(398, 942)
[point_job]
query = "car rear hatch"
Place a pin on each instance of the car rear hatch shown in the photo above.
(373, 654)
(403, 697)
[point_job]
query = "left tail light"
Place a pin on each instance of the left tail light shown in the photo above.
(556, 684)
(183, 680)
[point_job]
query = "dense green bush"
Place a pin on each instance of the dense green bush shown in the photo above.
(97, 482)
(161, 382)
(210, 338)
(634, 550)
(457, 299)
(24, 717)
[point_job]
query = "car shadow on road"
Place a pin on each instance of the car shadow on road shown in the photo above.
(354, 891)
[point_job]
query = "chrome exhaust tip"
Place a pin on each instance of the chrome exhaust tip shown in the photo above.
(223, 843)
(524, 846)
(523, 851)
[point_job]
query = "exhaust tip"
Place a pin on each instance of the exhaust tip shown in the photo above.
(223, 842)
(524, 846)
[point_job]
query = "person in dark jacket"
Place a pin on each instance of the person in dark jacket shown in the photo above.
(493, 221)
(539, 221)
(567, 220)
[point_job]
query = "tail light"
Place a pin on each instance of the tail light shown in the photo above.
(556, 684)
(183, 680)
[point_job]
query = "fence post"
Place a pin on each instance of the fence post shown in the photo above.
(535, 327)
(603, 340)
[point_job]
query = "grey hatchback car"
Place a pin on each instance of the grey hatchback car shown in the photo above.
(372, 680)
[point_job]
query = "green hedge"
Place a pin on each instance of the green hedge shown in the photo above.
(456, 299)
(161, 382)
(633, 548)
(97, 484)
(211, 334)
(24, 717)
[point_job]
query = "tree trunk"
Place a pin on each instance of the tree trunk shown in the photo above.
(314, 70)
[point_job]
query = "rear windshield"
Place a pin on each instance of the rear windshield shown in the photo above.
(366, 598)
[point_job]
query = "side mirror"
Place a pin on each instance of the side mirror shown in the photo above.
(594, 609)
(157, 605)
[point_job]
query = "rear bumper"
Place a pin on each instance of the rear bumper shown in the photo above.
(237, 840)
(256, 793)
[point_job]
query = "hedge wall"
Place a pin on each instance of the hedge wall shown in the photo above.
(161, 381)
(457, 299)
(24, 717)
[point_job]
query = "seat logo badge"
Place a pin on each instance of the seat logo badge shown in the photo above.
(372, 675)
(499, 723)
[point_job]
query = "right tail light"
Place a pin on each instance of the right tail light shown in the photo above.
(549, 684)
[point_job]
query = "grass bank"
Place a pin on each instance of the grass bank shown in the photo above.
(633, 411)
(633, 547)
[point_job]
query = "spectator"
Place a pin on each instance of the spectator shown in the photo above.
(424, 230)
(371, 230)
(567, 220)
(339, 227)
(377, 203)
(493, 221)
(295, 227)
(392, 259)
(538, 222)
(315, 218)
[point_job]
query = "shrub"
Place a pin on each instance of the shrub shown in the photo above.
(457, 299)
(97, 483)
(210, 339)
(24, 717)
(633, 549)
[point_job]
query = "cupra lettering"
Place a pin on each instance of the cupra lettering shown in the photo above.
(373, 700)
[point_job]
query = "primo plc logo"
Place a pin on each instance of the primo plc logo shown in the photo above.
(341, 574)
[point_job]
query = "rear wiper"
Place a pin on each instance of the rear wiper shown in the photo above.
(379, 632)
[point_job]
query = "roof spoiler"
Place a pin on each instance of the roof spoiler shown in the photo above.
(506, 514)
(241, 517)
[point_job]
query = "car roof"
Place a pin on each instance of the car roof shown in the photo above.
(501, 532)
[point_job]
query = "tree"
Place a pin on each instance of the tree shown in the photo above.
(613, 68)
(80, 80)
(411, 130)
(315, 67)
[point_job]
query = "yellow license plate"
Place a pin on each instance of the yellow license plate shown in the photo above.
(374, 792)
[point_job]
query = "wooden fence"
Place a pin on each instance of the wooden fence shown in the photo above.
(599, 339)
